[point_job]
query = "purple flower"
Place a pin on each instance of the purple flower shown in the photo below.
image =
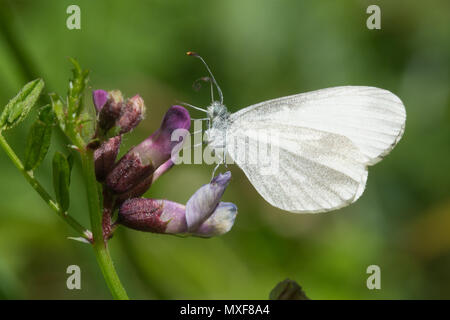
(158, 147)
(141, 161)
(203, 216)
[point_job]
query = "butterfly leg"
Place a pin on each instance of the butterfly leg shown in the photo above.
(221, 161)
(214, 171)
(224, 157)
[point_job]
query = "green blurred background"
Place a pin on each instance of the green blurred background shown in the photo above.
(258, 50)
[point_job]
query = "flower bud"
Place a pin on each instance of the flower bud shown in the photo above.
(203, 202)
(105, 157)
(111, 111)
(141, 161)
(100, 97)
(132, 114)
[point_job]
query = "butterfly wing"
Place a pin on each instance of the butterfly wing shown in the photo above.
(317, 145)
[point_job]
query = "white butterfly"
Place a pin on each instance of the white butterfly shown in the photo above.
(325, 140)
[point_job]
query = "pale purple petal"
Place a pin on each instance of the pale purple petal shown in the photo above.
(201, 205)
(100, 97)
(220, 222)
(157, 148)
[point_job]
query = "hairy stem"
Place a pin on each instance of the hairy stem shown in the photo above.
(108, 210)
(100, 244)
(42, 192)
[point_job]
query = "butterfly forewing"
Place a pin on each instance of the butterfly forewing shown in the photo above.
(373, 118)
(317, 145)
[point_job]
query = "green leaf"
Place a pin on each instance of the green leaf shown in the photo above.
(70, 161)
(76, 90)
(86, 123)
(39, 139)
(61, 180)
(18, 107)
(58, 109)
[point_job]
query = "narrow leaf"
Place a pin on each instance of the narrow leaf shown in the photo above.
(61, 180)
(70, 161)
(58, 109)
(18, 107)
(79, 239)
(39, 139)
(76, 90)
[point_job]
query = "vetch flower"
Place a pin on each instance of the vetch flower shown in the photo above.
(203, 216)
(140, 162)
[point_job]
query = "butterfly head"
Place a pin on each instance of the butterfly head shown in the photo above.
(217, 111)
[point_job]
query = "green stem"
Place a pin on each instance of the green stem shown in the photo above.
(100, 244)
(42, 192)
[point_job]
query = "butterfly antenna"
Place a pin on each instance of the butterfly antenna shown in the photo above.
(184, 104)
(197, 86)
(194, 54)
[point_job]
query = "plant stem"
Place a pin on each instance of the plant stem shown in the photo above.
(100, 244)
(108, 209)
(42, 192)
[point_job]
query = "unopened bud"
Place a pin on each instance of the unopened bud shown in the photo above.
(105, 157)
(132, 114)
(111, 111)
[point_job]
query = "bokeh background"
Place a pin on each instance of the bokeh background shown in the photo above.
(258, 50)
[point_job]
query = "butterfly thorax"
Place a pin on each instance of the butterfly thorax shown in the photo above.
(218, 116)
